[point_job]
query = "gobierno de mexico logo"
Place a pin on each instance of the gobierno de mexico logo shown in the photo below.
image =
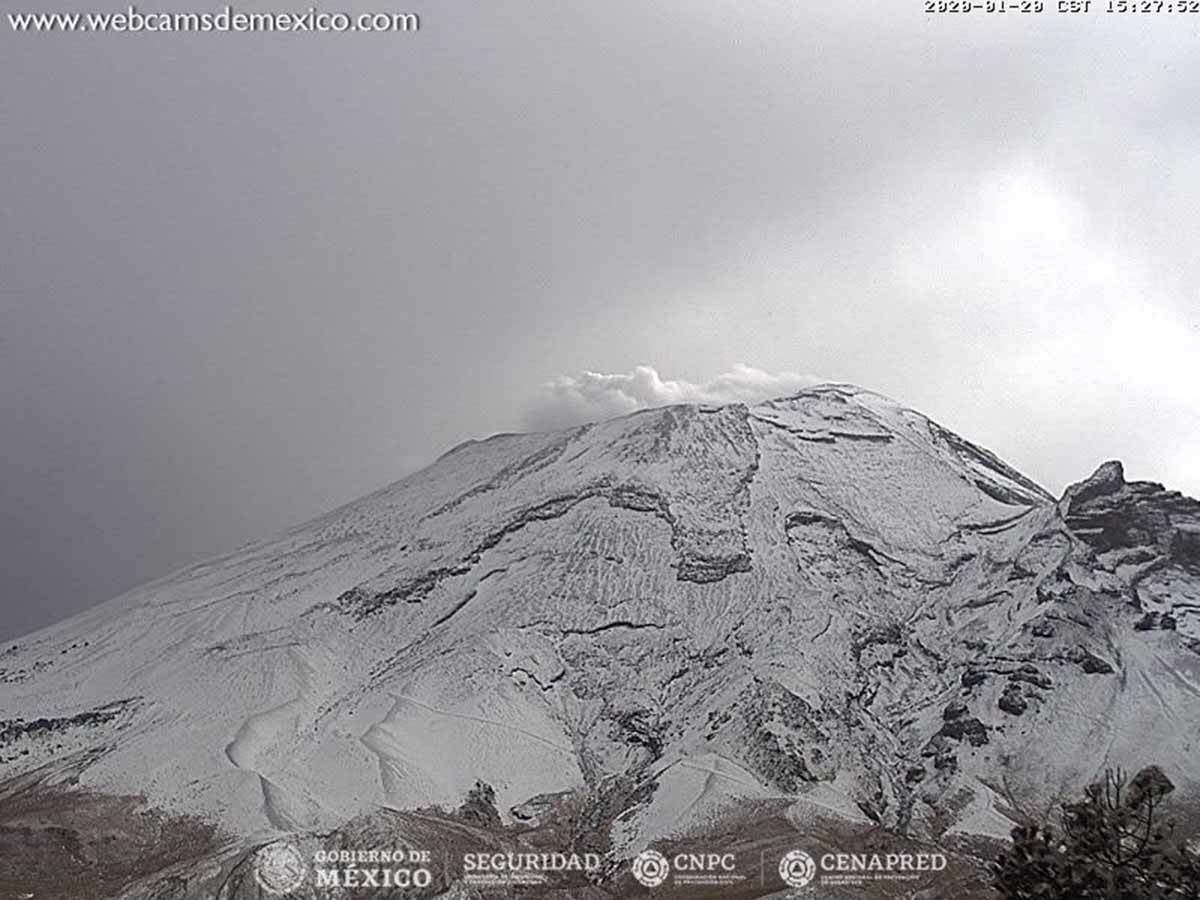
(279, 868)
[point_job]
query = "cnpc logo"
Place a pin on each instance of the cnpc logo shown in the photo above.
(651, 868)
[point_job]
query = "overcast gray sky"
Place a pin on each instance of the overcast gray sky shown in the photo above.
(246, 278)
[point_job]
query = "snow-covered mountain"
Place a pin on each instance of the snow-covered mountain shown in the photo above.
(823, 606)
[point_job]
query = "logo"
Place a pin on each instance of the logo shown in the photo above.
(688, 868)
(500, 868)
(650, 868)
(797, 869)
(279, 868)
(390, 867)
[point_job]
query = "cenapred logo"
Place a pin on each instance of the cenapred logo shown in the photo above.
(650, 868)
(279, 868)
(797, 869)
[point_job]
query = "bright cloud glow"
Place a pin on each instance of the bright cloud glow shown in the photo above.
(574, 399)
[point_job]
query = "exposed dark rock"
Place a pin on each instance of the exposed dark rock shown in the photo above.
(702, 569)
(1152, 621)
(1043, 629)
(937, 745)
(782, 765)
(543, 810)
(1108, 479)
(1090, 662)
(969, 729)
(971, 677)
(480, 806)
(786, 736)
(988, 600)
(811, 517)
(642, 728)
(945, 760)
(1185, 545)
(13, 729)
(1012, 701)
(361, 602)
(1141, 516)
(1030, 674)
(640, 499)
(954, 709)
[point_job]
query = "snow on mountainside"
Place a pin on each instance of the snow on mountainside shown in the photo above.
(826, 601)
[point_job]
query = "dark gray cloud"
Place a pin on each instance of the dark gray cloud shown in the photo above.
(244, 278)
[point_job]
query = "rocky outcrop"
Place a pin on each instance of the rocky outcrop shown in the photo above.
(1147, 536)
(1110, 514)
(1106, 481)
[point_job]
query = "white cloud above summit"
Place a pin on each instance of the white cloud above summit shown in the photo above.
(591, 396)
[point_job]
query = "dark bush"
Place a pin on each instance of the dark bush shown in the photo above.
(1114, 844)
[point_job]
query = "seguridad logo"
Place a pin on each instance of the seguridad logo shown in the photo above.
(499, 868)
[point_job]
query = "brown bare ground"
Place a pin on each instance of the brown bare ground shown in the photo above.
(66, 844)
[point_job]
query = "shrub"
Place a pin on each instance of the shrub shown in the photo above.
(1114, 844)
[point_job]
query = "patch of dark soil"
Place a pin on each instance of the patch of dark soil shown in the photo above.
(61, 843)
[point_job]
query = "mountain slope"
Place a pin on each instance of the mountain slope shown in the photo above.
(826, 599)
